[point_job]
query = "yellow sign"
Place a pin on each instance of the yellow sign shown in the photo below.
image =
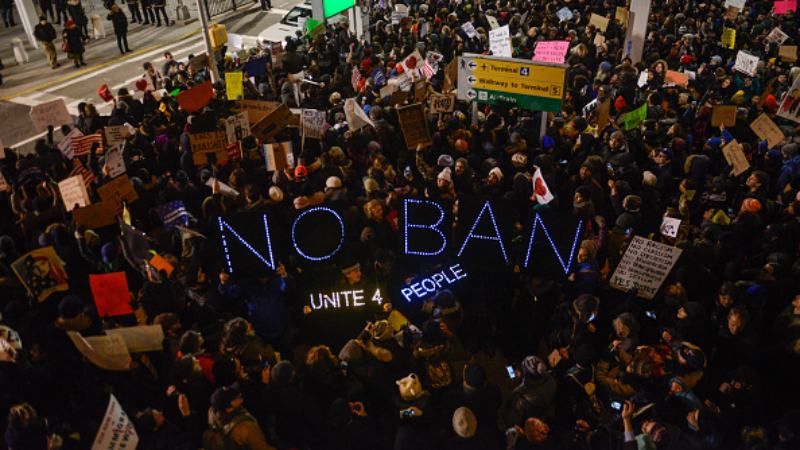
(729, 37)
(517, 78)
(234, 86)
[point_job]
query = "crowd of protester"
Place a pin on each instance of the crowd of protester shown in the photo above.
(517, 360)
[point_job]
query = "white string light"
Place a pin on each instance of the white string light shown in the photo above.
(433, 227)
(566, 266)
(223, 225)
(496, 237)
(294, 232)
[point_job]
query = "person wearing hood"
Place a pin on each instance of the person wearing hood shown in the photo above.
(534, 395)
(233, 422)
(74, 39)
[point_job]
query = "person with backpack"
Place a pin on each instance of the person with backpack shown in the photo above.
(231, 425)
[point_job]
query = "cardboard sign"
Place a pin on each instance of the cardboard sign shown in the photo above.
(766, 129)
(257, 110)
(676, 78)
(205, 144)
(355, 115)
(551, 51)
(73, 192)
(105, 352)
(111, 294)
(599, 22)
(729, 37)
(723, 115)
(273, 124)
(414, 126)
(141, 339)
(734, 154)
(115, 134)
(224, 189)
(788, 53)
(96, 215)
(388, 90)
(439, 103)
(500, 41)
(621, 16)
(51, 113)
(161, 264)
(670, 226)
(644, 267)
(42, 273)
(116, 431)
(118, 190)
(603, 113)
(398, 98)
(234, 85)
(114, 164)
(746, 63)
(312, 122)
(198, 63)
(420, 90)
(277, 157)
(450, 76)
(196, 98)
(237, 127)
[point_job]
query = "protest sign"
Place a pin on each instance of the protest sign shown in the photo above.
(224, 189)
(469, 30)
(398, 98)
(205, 144)
(734, 155)
(73, 193)
(551, 51)
(257, 110)
(105, 352)
(644, 77)
(493, 23)
(114, 165)
(788, 53)
(274, 123)
(52, 113)
(313, 123)
(355, 115)
(161, 264)
(65, 145)
(118, 190)
(42, 273)
(420, 90)
(599, 40)
(621, 16)
(277, 156)
(766, 129)
(670, 226)
(723, 115)
(111, 295)
(599, 22)
(196, 98)
(96, 215)
(116, 430)
(738, 4)
(414, 126)
(729, 37)
(777, 35)
(234, 85)
(450, 76)
(237, 127)
(746, 63)
(644, 267)
(115, 134)
(603, 113)
(731, 13)
(784, 6)
(636, 117)
(564, 14)
(140, 339)
(500, 41)
(676, 78)
(790, 104)
(439, 103)
(388, 90)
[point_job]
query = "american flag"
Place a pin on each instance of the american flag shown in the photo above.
(173, 214)
(81, 145)
(427, 70)
(84, 172)
(355, 78)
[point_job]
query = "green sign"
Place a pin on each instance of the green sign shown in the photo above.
(635, 117)
(333, 7)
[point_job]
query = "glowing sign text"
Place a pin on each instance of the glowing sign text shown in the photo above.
(432, 283)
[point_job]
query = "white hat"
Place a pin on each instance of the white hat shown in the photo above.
(333, 182)
(301, 202)
(275, 194)
(464, 422)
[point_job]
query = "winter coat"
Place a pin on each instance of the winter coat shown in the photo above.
(532, 398)
(44, 33)
(120, 22)
(74, 39)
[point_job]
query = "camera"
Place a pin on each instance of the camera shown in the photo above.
(616, 406)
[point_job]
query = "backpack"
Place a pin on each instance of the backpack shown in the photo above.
(439, 373)
(216, 438)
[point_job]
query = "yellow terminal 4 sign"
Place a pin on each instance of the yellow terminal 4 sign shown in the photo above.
(513, 82)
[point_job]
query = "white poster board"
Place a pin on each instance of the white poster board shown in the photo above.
(114, 164)
(500, 41)
(746, 63)
(469, 29)
(73, 192)
(237, 127)
(637, 29)
(51, 113)
(644, 266)
(313, 123)
(224, 189)
(116, 430)
(669, 226)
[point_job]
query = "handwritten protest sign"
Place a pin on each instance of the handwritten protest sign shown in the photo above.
(420, 90)
(729, 37)
(224, 189)
(196, 98)
(777, 35)
(746, 63)
(273, 123)
(118, 190)
(670, 226)
(115, 134)
(96, 215)
(621, 16)
(42, 273)
(140, 339)
(603, 112)
(114, 165)
(313, 123)
(234, 87)
(450, 76)
(784, 6)
(599, 22)
(277, 156)
(644, 266)
(469, 30)
(500, 41)
(116, 431)
(739, 4)
(766, 129)
(52, 113)
(105, 352)
(73, 193)
(237, 127)
(723, 115)
(790, 104)
(355, 115)
(439, 103)
(551, 51)
(734, 154)
(111, 295)
(257, 110)
(205, 144)
(414, 125)
(788, 53)
(676, 78)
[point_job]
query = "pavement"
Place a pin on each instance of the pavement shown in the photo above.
(35, 82)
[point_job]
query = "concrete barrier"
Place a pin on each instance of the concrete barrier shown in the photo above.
(20, 54)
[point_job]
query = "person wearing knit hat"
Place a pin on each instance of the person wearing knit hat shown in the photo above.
(301, 202)
(371, 186)
(751, 206)
(519, 160)
(495, 176)
(465, 424)
(300, 172)
(333, 182)
(649, 178)
(444, 161)
(445, 176)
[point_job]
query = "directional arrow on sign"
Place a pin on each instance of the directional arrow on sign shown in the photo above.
(471, 94)
(472, 65)
(472, 80)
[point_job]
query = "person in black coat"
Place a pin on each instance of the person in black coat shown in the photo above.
(120, 21)
(74, 38)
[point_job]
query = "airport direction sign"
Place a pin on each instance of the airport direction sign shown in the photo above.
(525, 84)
